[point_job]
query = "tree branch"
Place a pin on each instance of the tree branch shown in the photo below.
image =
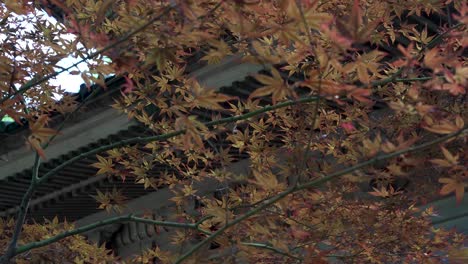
(118, 219)
(316, 183)
(12, 250)
(136, 140)
(266, 246)
(37, 181)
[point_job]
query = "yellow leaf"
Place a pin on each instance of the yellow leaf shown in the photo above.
(104, 165)
(443, 126)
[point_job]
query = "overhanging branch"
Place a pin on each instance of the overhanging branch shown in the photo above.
(316, 183)
(118, 219)
(136, 140)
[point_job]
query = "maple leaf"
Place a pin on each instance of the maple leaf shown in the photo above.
(174, 72)
(364, 64)
(266, 180)
(146, 181)
(449, 161)
(207, 98)
(110, 200)
(193, 129)
(353, 27)
(433, 60)
(360, 94)
(9, 109)
(104, 8)
(456, 83)
(443, 126)
(337, 39)
(161, 56)
(452, 185)
(385, 192)
(408, 56)
(371, 147)
(402, 143)
(299, 234)
(104, 165)
(220, 50)
(128, 85)
(240, 139)
(348, 127)
(103, 199)
(40, 134)
(274, 85)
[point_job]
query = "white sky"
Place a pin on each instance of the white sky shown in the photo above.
(69, 82)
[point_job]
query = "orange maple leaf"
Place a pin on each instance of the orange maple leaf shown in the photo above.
(8, 109)
(274, 85)
(40, 134)
(449, 161)
(207, 98)
(443, 126)
(433, 60)
(360, 94)
(385, 192)
(452, 185)
(353, 27)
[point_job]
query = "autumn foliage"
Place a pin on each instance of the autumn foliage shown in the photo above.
(359, 100)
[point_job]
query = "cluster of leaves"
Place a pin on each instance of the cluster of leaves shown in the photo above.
(311, 131)
(73, 249)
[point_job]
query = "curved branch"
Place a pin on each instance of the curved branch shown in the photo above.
(118, 219)
(316, 183)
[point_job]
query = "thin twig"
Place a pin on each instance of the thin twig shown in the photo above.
(266, 246)
(302, 169)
